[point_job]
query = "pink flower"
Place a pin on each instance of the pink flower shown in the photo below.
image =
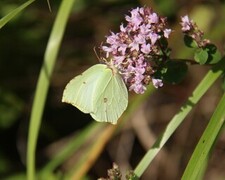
(140, 39)
(112, 39)
(122, 48)
(118, 59)
(190, 28)
(146, 48)
(157, 83)
(122, 28)
(135, 18)
(154, 37)
(167, 33)
(186, 23)
(135, 44)
(138, 88)
(153, 18)
(145, 29)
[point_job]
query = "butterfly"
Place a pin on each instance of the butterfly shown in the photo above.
(99, 91)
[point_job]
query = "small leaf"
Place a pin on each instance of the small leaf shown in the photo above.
(214, 54)
(173, 71)
(201, 56)
(190, 42)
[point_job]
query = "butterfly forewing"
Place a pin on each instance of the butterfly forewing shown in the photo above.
(81, 90)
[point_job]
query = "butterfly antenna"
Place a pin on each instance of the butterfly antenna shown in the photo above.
(49, 5)
(100, 60)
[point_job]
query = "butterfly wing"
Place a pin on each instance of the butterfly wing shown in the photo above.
(111, 99)
(80, 91)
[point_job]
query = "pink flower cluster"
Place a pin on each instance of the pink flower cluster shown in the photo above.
(190, 28)
(132, 49)
(186, 23)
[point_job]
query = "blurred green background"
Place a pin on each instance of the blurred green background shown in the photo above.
(22, 45)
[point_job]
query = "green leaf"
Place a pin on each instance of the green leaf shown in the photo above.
(190, 42)
(201, 56)
(164, 42)
(174, 71)
(214, 54)
(12, 14)
(206, 142)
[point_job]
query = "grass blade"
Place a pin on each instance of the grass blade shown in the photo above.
(72, 146)
(204, 85)
(43, 83)
(12, 14)
(206, 142)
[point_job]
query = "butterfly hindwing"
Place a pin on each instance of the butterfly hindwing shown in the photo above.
(111, 99)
